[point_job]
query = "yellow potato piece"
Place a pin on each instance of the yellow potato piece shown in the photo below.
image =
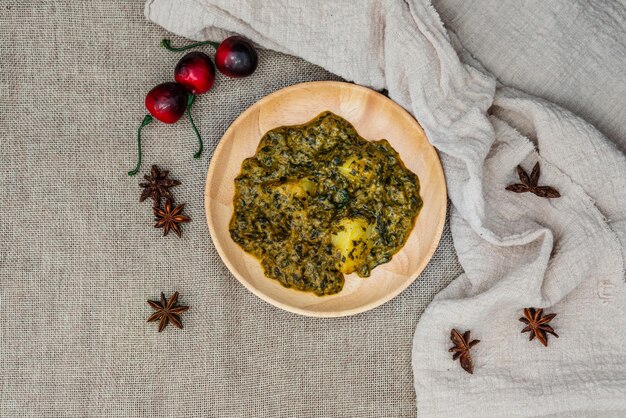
(355, 169)
(298, 188)
(307, 185)
(352, 241)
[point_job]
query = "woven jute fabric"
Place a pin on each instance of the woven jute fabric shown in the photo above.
(79, 256)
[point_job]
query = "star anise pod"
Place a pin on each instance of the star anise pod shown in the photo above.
(462, 345)
(166, 311)
(530, 184)
(170, 217)
(157, 185)
(537, 325)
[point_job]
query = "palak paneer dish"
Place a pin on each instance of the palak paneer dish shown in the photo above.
(318, 201)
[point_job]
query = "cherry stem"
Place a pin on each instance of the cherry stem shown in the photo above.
(190, 99)
(146, 120)
(165, 43)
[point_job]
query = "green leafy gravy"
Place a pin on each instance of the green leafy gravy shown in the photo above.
(318, 201)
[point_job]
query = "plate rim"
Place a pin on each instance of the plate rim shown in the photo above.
(303, 311)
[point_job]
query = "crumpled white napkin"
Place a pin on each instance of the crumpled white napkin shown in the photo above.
(517, 250)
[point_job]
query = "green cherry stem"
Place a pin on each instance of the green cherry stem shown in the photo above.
(190, 99)
(146, 120)
(165, 43)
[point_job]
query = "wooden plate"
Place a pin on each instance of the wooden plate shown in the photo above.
(374, 116)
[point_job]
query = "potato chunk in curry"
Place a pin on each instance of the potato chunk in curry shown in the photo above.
(352, 240)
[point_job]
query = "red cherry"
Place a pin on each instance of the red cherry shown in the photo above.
(196, 72)
(167, 102)
(236, 57)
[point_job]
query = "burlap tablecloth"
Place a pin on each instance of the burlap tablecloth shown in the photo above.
(79, 256)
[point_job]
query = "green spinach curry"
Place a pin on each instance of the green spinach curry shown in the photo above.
(318, 201)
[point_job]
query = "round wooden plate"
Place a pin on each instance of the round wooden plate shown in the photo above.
(374, 116)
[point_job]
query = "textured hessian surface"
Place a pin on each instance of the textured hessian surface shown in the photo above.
(79, 256)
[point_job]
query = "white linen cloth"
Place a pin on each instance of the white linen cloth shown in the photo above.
(570, 52)
(517, 250)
